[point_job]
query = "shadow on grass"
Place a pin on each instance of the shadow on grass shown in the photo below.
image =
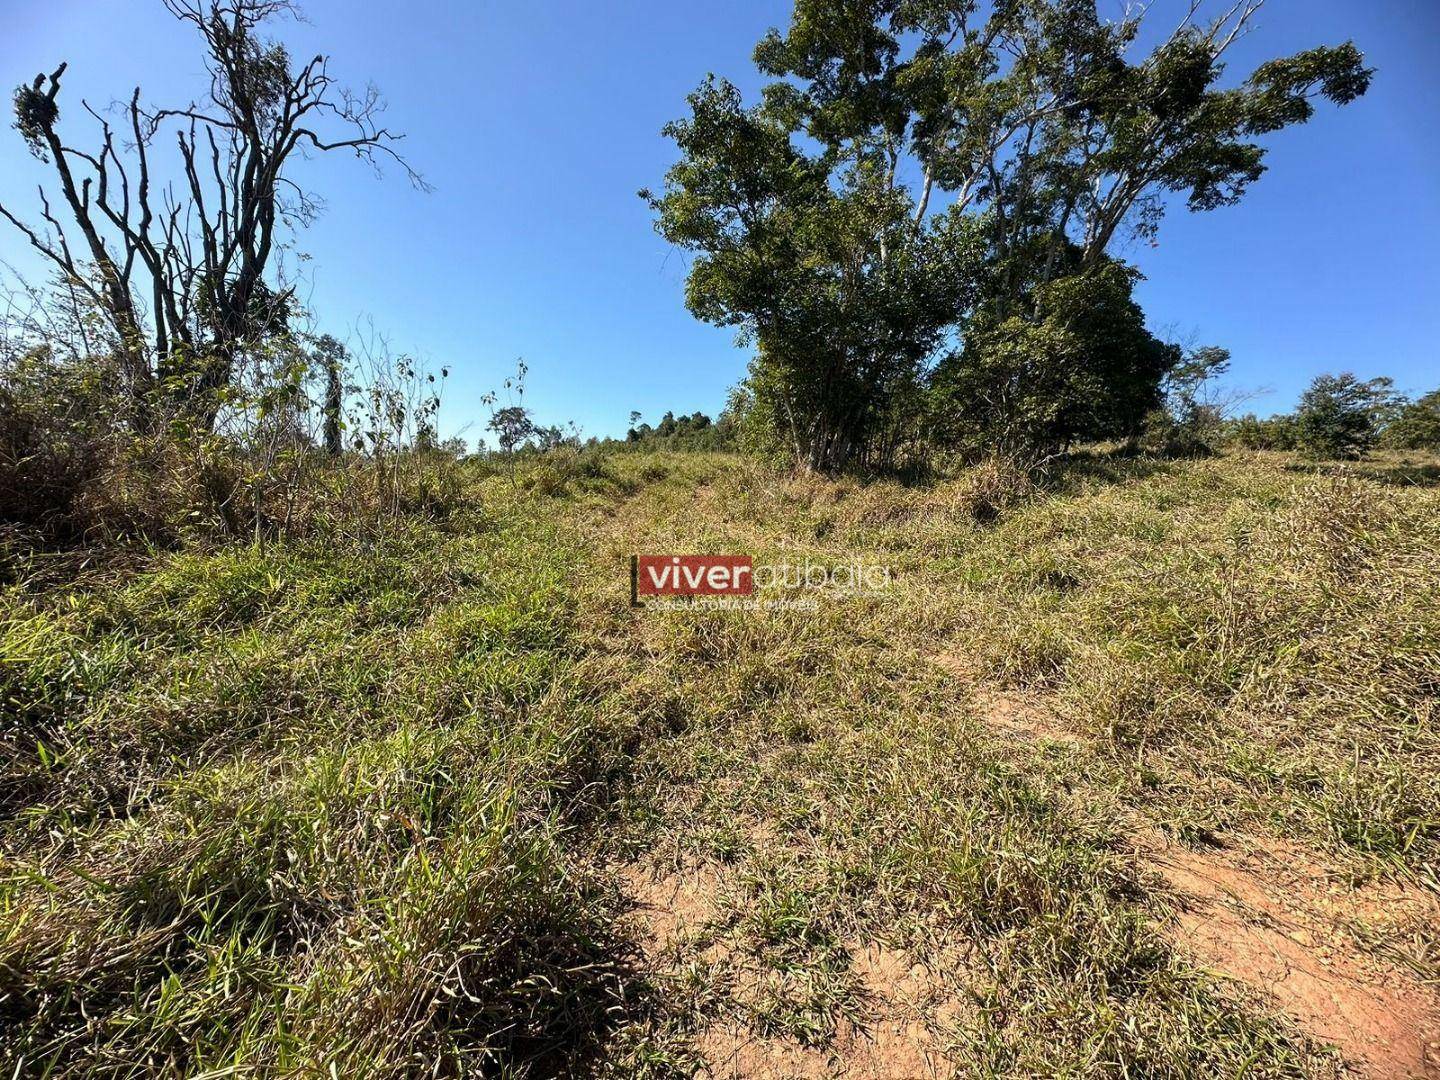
(1391, 473)
(1109, 466)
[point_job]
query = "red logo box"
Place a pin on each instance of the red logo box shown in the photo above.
(691, 575)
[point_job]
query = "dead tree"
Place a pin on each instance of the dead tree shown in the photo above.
(182, 272)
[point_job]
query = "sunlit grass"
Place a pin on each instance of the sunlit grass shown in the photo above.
(359, 801)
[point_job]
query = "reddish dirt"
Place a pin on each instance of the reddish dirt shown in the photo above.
(1015, 715)
(906, 1010)
(1266, 919)
(902, 1036)
(1275, 920)
(669, 906)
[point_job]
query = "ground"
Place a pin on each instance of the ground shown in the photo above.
(1130, 770)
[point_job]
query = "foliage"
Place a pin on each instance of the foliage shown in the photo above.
(330, 357)
(817, 264)
(52, 439)
(1272, 433)
(693, 432)
(395, 408)
(1192, 420)
(73, 472)
(1084, 367)
(1416, 425)
(512, 426)
(1340, 416)
(811, 212)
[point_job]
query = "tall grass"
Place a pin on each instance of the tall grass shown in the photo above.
(355, 801)
(303, 807)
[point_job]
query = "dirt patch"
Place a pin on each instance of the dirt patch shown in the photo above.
(1274, 922)
(1010, 714)
(913, 1010)
(671, 905)
(734, 1051)
(907, 1013)
(1018, 717)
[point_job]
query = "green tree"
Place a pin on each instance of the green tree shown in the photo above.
(922, 173)
(1416, 425)
(815, 259)
(330, 358)
(1192, 420)
(1340, 417)
(512, 423)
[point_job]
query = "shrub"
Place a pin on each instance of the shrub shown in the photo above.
(1252, 433)
(53, 442)
(1339, 416)
(1416, 425)
(1191, 433)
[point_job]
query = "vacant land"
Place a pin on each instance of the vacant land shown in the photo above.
(1135, 771)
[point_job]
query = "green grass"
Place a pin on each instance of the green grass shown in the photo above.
(363, 806)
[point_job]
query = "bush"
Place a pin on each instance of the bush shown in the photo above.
(75, 471)
(1192, 433)
(1252, 433)
(53, 443)
(1339, 416)
(1416, 426)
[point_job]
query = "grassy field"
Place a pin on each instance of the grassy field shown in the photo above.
(1132, 772)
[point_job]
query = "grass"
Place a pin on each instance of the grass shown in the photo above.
(367, 805)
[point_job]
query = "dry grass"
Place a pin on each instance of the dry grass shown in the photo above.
(396, 804)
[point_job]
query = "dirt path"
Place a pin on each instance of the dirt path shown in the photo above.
(678, 915)
(1276, 921)
(1270, 918)
(1275, 924)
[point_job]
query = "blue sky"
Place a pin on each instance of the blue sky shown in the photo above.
(537, 122)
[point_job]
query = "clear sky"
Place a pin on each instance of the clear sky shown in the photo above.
(537, 122)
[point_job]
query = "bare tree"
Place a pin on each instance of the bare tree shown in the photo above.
(183, 272)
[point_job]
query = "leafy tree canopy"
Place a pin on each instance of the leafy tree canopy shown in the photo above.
(1340, 416)
(922, 174)
(1416, 425)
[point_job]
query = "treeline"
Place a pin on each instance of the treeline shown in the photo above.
(913, 227)
(1340, 416)
(693, 432)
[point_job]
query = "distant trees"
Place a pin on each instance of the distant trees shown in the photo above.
(178, 278)
(1270, 433)
(512, 426)
(1416, 425)
(1341, 417)
(693, 432)
(940, 181)
(1192, 419)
